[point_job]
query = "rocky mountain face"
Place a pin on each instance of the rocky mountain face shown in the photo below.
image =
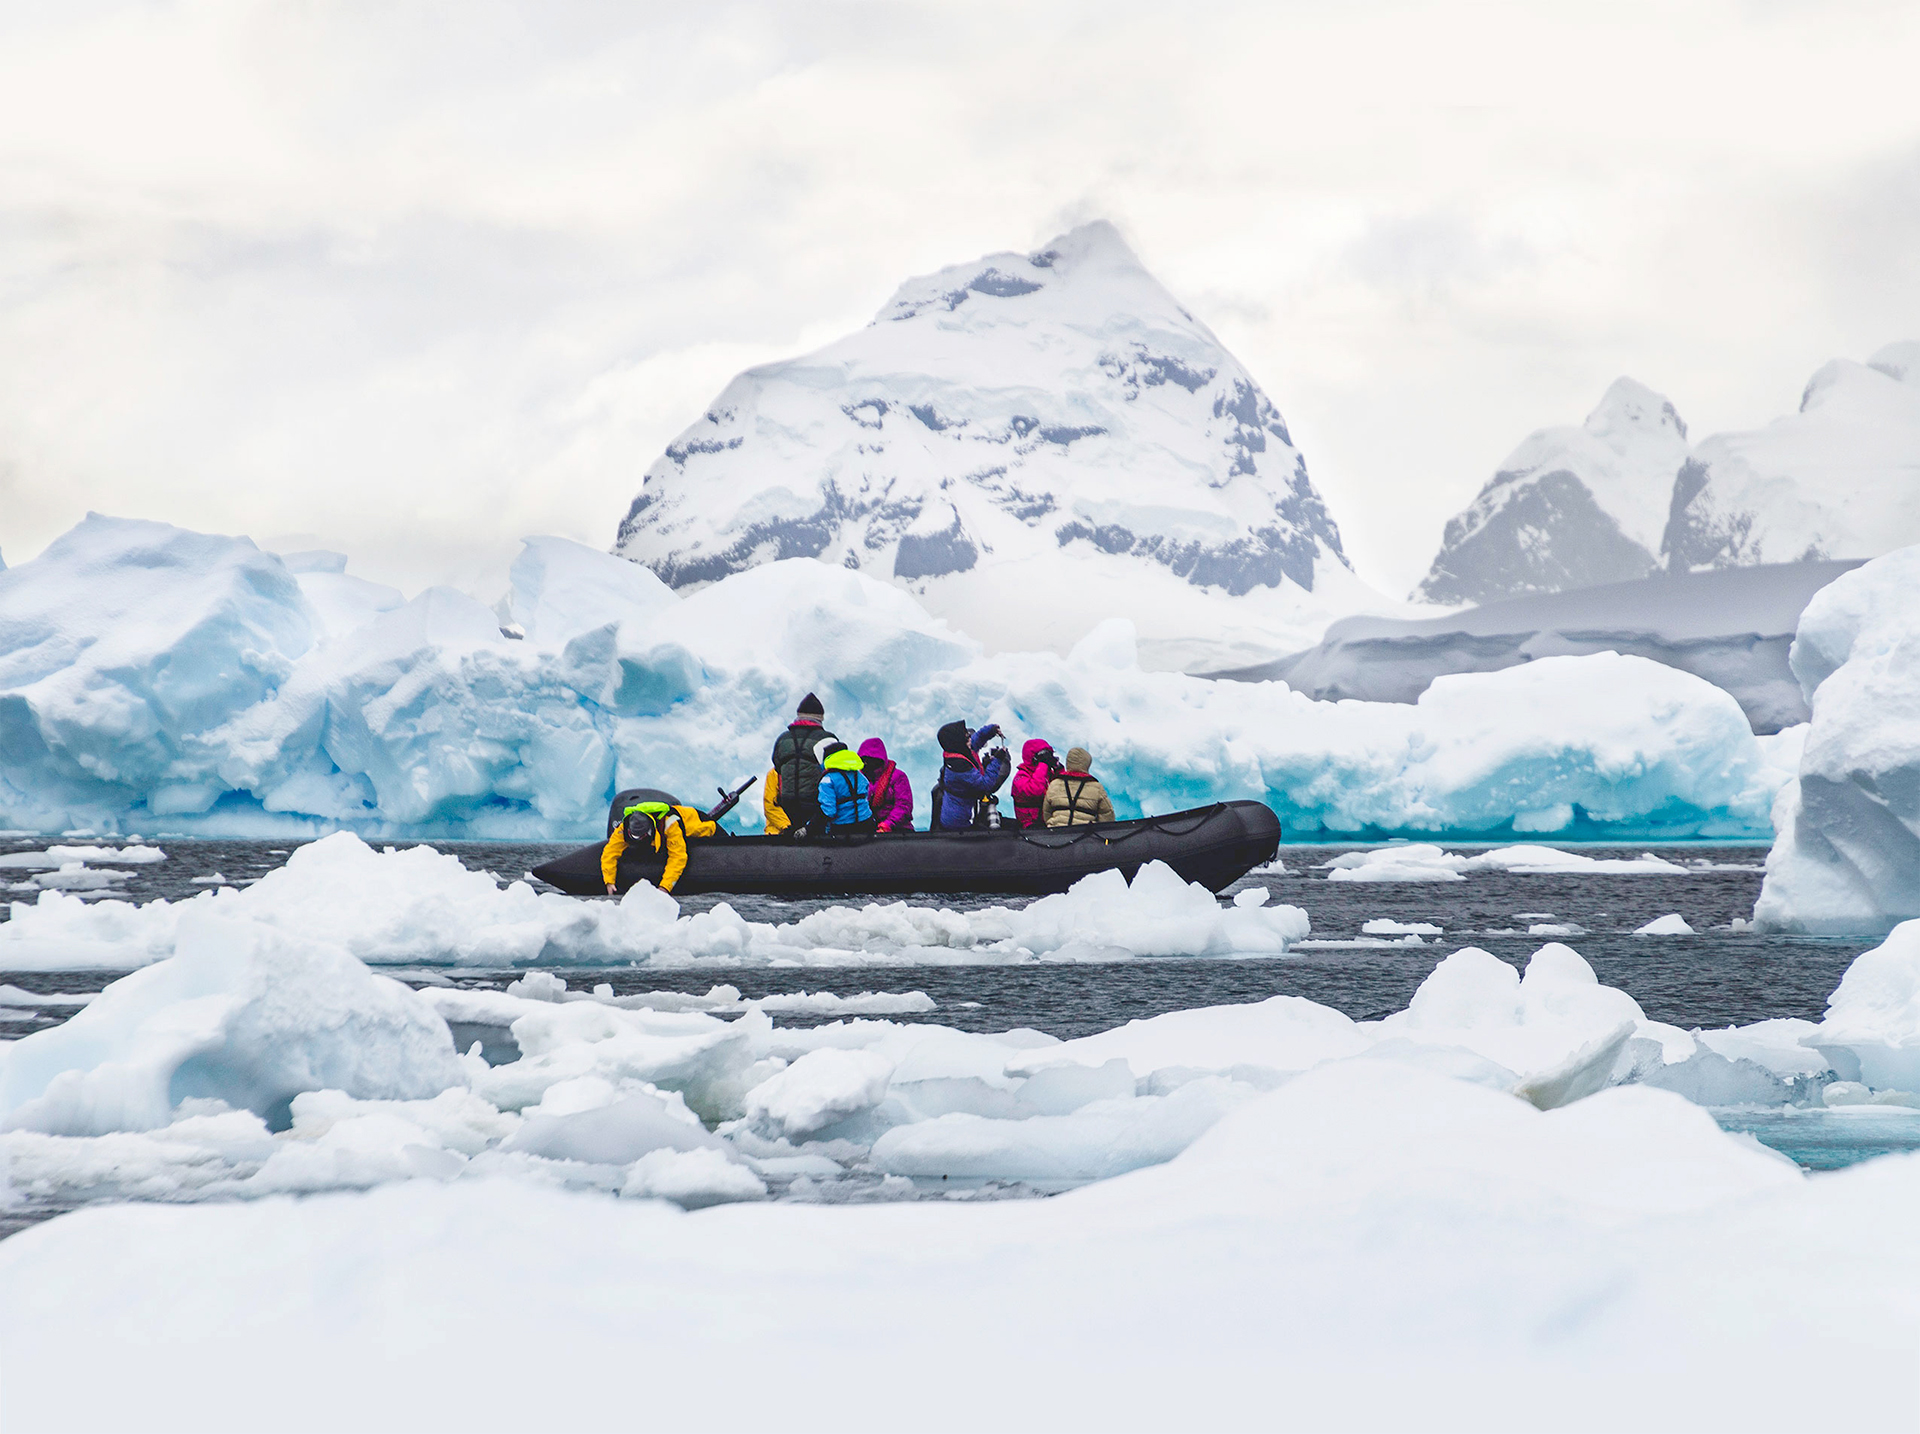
(1031, 443)
(1623, 495)
(1570, 508)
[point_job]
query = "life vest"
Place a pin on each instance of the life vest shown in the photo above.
(845, 777)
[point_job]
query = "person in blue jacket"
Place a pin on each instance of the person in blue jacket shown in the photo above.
(966, 778)
(846, 804)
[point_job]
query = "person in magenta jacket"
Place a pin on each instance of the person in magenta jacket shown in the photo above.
(1038, 766)
(888, 789)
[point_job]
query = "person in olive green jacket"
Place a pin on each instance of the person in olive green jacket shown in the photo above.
(1075, 797)
(655, 825)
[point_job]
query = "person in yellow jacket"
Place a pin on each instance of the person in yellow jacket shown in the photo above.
(657, 825)
(777, 819)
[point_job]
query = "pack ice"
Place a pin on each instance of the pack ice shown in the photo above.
(246, 1017)
(1503, 1186)
(423, 907)
(259, 1030)
(156, 679)
(1030, 443)
(1847, 857)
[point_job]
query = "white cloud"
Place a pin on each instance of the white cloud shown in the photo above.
(422, 279)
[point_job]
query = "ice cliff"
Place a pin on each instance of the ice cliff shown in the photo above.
(1847, 858)
(153, 679)
(1570, 507)
(1030, 443)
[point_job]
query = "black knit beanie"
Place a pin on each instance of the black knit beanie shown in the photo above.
(810, 707)
(953, 737)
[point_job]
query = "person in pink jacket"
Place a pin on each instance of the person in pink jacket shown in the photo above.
(1038, 766)
(887, 788)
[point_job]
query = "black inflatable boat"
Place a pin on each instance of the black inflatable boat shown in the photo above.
(1214, 846)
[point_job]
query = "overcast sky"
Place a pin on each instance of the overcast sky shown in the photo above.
(417, 280)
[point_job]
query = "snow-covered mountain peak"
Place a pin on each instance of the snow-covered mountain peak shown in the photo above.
(1032, 443)
(1839, 478)
(1092, 255)
(1629, 412)
(1570, 507)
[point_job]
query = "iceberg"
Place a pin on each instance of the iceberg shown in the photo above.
(424, 719)
(1846, 858)
(126, 650)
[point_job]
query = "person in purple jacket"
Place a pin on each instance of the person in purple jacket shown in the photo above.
(888, 789)
(966, 778)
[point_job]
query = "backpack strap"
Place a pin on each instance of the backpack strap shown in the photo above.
(1075, 783)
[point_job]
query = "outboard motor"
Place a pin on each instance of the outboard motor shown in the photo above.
(633, 796)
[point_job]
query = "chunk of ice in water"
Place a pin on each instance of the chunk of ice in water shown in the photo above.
(1672, 924)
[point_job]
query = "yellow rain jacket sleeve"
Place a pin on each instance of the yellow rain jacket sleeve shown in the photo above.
(676, 855)
(770, 804)
(610, 854)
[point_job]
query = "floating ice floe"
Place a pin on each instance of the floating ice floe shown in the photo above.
(76, 868)
(1672, 924)
(55, 857)
(256, 1061)
(244, 1013)
(422, 906)
(1420, 861)
(294, 706)
(718, 1000)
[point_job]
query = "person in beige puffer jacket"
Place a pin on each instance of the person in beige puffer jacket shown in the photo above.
(1075, 797)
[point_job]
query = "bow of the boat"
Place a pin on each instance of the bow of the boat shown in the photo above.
(577, 873)
(1255, 842)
